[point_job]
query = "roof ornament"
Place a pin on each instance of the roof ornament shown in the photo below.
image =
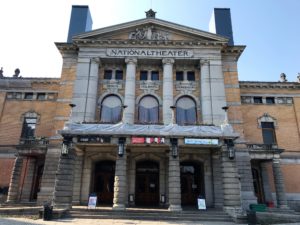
(17, 73)
(150, 14)
(1, 72)
(283, 77)
(298, 77)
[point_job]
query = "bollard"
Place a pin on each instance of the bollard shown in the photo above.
(47, 215)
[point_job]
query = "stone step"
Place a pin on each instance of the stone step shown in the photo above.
(210, 215)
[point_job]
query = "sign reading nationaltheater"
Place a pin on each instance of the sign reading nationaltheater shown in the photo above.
(122, 52)
(198, 141)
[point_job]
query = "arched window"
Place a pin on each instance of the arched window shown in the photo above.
(186, 111)
(148, 110)
(30, 120)
(111, 109)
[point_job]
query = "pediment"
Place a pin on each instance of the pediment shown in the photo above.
(150, 29)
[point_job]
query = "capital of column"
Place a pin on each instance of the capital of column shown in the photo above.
(168, 61)
(95, 60)
(130, 60)
(204, 62)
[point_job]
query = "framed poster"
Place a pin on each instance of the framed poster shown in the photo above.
(201, 203)
(92, 202)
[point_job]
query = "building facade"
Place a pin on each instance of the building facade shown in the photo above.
(150, 113)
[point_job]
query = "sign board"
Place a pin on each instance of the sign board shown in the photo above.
(200, 141)
(201, 203)
(92, 202)
(147, 140)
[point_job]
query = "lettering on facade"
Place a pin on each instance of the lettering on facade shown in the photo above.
(123, 52)
(112, 85)
(93, 139)
(149, 85)
(185, 86)
(201, 141)
(148, 33)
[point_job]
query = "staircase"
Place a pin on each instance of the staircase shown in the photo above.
(150, 214)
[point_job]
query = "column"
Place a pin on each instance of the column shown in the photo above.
(167, 89)
(85, 90)
(13, 192)
(129, 97)
(231, 183)
(279, 184)
(206, 102)
(120, 185)
(266, 182)
(77, 179)
(63, 190)
(174, 184)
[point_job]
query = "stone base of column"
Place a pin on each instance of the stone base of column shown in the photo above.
(119, 207)
(236, 213)
(175, 208)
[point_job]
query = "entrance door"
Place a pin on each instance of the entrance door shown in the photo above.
(257, 184)
(147, 183)
(192, 182)
(104, 181)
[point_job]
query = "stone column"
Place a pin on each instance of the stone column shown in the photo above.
(13, 192)
(129, 97)
(85, 90)
(77, 179)
(217, 181)
(167, 89)
(206, 103)
(279, 185)
(174, 184)
(231, 184)
(120, 185)
(266, 182)
(63, 190)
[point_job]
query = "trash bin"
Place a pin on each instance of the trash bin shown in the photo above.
(47, 215)
(251, 217)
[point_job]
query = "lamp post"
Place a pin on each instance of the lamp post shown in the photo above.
(230, 148)
(121, 146)
(123, 109)
(173, 107)
(71, 111)
(225, 108)
(174, 147)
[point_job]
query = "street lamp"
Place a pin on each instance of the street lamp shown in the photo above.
(174, 147)
(121, 146)
(230, 148)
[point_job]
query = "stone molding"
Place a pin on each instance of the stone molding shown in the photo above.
(168, 61)
(131, 60)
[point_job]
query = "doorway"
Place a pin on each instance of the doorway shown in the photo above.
(104, 181)
(192, 182)
(147, 183)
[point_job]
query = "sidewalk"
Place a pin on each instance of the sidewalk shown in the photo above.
(25, 221)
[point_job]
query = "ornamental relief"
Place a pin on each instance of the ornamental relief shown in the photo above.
(148, 33)
(112, 85)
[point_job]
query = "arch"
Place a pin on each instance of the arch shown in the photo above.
(148, 109)
(158, 98)
(186, 111)
(111, 109)
(105, 94)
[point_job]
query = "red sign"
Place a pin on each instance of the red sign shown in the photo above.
(147, 140)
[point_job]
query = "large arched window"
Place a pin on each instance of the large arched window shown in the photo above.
(148, 110)
(186, 111)
(111, 109)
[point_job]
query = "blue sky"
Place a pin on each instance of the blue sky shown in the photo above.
(269, 28)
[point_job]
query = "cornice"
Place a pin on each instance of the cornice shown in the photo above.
(235, 51)
(147, 43)
(269, 85)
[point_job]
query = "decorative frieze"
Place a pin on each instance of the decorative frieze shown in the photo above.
(185, 86)
(148, 33)
(149, 85)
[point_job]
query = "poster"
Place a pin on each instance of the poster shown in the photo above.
(92, 202)
(201, 203)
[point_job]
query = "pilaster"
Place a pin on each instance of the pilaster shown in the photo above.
(167, 89)
(120, 185)
(129, 97)
(279, 184)
(13, 192)
(63, 191)
(174, 184)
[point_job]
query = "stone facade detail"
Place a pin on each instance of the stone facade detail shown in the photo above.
(174, 184)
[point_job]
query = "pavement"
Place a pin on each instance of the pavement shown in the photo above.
(26, 221)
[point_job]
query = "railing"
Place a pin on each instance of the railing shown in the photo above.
(43, 141)
(262, 146)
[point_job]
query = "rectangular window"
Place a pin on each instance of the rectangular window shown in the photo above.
(191, 76)
(119, 74)
(144, 75)
(257, 100)
(154, 75)
(108, 74)
(179, 75)
(270, 100)
(268, 133)
(28, 129)
(41, 96)
(28, 96)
